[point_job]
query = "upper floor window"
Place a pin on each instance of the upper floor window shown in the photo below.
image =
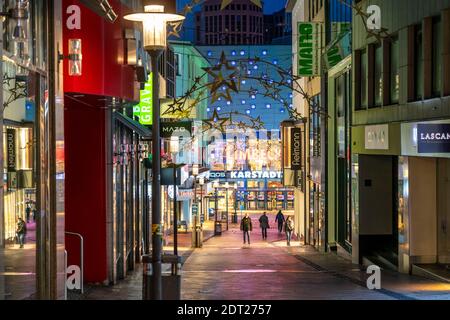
(437, 57)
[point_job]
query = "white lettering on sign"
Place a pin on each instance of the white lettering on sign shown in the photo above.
(377, 137)
(374, 19)
(73, 281)
(74, 20)
(435, 136)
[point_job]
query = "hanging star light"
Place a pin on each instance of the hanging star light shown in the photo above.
(216, 122)
(225, 3)
(174, 28)
(219, 80)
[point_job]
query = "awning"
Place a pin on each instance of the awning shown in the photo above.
(143, 131)
(102, 8)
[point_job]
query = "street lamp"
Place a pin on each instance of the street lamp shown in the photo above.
(235, 220)
(227, 185)
(217, 225)
(154, 21)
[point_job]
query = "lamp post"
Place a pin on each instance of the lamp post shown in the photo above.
(235, 219)
(217, 225)
(154, 21)
(195, 174)
(227, 185)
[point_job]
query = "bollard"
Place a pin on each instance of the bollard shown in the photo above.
(147, 277)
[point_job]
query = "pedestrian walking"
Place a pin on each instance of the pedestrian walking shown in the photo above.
(264, 224)
(28, 213)
(289, 229)
(280, 219)
(21, 232)
(246, 226)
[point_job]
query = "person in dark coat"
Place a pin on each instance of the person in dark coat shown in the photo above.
(246, 226)
(280, 219)
(264, 224)
(21, 231)
(28, 213)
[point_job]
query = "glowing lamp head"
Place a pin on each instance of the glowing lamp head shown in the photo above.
(154, 21)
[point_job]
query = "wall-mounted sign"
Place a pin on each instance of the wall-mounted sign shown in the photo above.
(169, 129)
(433, 138)
(309, 48)
(11, 149)
(144, 110)
(242, 175)
(185, 194)
(296, 149)
(377, 137)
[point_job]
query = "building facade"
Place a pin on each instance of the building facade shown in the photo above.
(239, 23)
(400, 125)
(104, 140)
(32, 150)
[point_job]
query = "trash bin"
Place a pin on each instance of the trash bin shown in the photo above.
(170, 277)
(218, 228)
(235, 217)
(197, 237)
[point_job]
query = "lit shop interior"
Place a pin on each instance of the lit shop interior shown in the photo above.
(246, 173)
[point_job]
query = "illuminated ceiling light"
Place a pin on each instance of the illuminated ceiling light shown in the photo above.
(264, 53)
(247, 111)
(154, 20)
(282, 110)
(228, 102)
(242, 52)
(209, 54)
(243, 82)
(253, 97)
(268, 106)
(208, 109)
(233, 53)
(255, 67)
(218, 108)
(275, 61)
(243, 102)
(253, 106)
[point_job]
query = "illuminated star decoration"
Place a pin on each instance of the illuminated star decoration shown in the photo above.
(174, 28)
(216, 122)
(219, 80)
(225, 3)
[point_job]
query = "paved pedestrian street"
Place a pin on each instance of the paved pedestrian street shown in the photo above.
(226, 269)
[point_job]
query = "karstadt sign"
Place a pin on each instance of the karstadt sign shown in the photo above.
(246, 174)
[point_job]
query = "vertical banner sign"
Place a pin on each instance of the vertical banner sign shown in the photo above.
(144, 110)
(11, 147)
(296, 149)
(309, 48)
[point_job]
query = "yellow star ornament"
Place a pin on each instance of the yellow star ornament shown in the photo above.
(225, 3)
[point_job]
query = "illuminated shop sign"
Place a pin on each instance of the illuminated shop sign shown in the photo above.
(144, 110)
(245, 174)
(296, 149)
(11, 147)
(309, 48)
(433, 138)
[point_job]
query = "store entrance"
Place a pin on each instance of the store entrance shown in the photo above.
(378, 207)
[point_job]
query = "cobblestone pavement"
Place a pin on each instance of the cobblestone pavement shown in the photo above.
(225, 269)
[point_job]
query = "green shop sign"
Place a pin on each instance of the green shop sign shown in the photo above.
(144, 109)
(309, 48)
